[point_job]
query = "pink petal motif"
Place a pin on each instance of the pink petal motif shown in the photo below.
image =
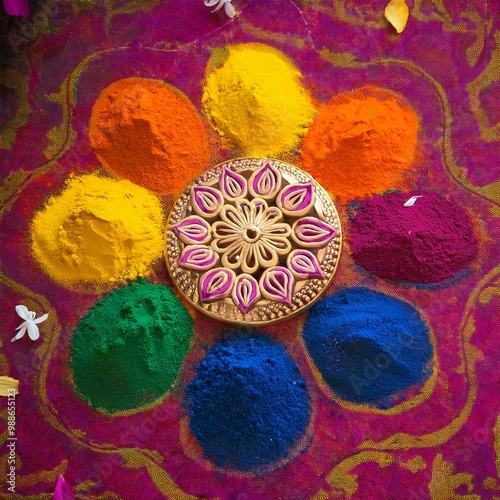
(304, 265)
(232, 185)
(296, 199)
(216, 284)
(63, 490)
(192, 230)
(206, 201)
(265, 182)
(245, 292)
(17, 7)
(198, 258)
(277, 283)
(312, 233)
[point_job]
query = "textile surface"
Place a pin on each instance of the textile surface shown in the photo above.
(443, 441)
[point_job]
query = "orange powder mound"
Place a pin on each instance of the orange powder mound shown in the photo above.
(148, 132)
(361, 143)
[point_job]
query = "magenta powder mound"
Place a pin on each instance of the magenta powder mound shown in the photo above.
(428, 241)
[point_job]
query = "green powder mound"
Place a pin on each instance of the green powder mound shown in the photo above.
(129, 347)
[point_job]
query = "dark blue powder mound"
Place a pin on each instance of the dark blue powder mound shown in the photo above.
(368, 346)
(248, 404)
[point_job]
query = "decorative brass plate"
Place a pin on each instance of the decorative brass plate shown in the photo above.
(253, 241)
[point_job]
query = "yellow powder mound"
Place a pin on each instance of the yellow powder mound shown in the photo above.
(98, 230)
(254, 97)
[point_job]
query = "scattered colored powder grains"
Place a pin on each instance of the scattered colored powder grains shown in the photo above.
(361, 143)
(427, 242)
(98, 230)
(368, 346)
(255, 98)
(129, 347)
(248, 404)
(148, 132)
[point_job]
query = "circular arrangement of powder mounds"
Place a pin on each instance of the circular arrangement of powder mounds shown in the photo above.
(148, 132)
(361, 143)
(98, 231)
(248, 404)
(128, 349)
(254, 97)
(427, 242)
(368, 347)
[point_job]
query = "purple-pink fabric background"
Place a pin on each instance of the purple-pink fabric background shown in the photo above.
(445, 64)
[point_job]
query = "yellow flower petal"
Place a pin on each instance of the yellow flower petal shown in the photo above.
(7, 383)
(397, 14)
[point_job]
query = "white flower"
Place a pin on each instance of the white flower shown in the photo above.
(228, 6)
(29, 324)
(410, 202)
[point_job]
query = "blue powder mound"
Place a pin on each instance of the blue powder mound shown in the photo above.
(248, 404)
(368, 346)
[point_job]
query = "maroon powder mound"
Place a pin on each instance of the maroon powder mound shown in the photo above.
(427, 242)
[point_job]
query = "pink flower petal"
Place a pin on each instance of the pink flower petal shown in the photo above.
(216, 284)
(192, 230)
(232, 185)
(245, 292)
(265, 182)
(63, 490)
(277, 284)
(312, 233)
(296, 199)
(17, 7)
(198, 258)
(304, 265)
(206, 201)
